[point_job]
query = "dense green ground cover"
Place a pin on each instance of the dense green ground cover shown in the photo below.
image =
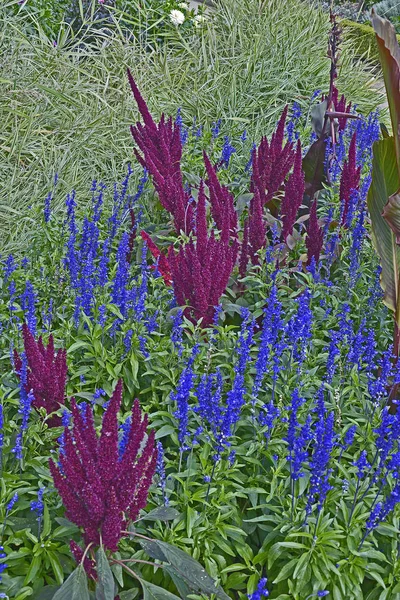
(66, 109)
(267, 392)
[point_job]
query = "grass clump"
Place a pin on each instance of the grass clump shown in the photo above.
(66, 109)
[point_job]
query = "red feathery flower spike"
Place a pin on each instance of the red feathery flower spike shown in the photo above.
(201, 270)
(315, 235)
(294, 192)
(350, 178)
(47, 373)
(272, 162)
(221, 200)
(102, 485)
(161, 148)
(162, 260)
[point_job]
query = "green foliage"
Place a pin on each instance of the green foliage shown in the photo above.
(67, 109)
(383, 208)
(148, 20)
(212, 527)
(387, 9)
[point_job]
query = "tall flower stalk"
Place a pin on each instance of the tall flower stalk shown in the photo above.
(101, 489)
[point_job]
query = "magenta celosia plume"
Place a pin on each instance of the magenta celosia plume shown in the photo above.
(350, 178)
(46, 373)
(244, 250)
(257, 228)
(162, 261)
(340, 106)
(88, 563)
(221, 200)
(201, 270)
(161, 152)
(271, 163)
(100, 487)
(293, 196)
(315, 235)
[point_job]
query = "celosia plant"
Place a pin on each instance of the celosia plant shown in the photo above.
(272, 162)
(341, 106)
(201, 270)
(350, 179)
(101, 484)
(162, 264)
(256, 225)
(294, 192)
(161, 148)
(315, 236)
(221, 200)
(47, 373)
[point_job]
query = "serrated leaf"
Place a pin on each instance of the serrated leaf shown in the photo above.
(75, 587)
(105, 587)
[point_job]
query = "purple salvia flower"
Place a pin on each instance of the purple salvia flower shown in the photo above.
(261, 591)
(28, 302)
(181, 397)
(119, 291)
(177, 331)
(227, 151)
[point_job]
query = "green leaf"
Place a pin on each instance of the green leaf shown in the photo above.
(154, 592)
(26, 592)
(46, 522)
(385, 182)
(33, 569)
(75, 587)
(186, 567)
(46, 593)
(153, 550)
(389, 56)
(317, 116)
(287, 570)
(313, 167)
(164, 431)
(105, 587)
(129, 594)
(180, 584)
(117, 570)
(163, 513)
(56, 566)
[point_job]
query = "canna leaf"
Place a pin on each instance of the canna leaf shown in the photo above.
(313, 167)
(382, 203)
(389, 55)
